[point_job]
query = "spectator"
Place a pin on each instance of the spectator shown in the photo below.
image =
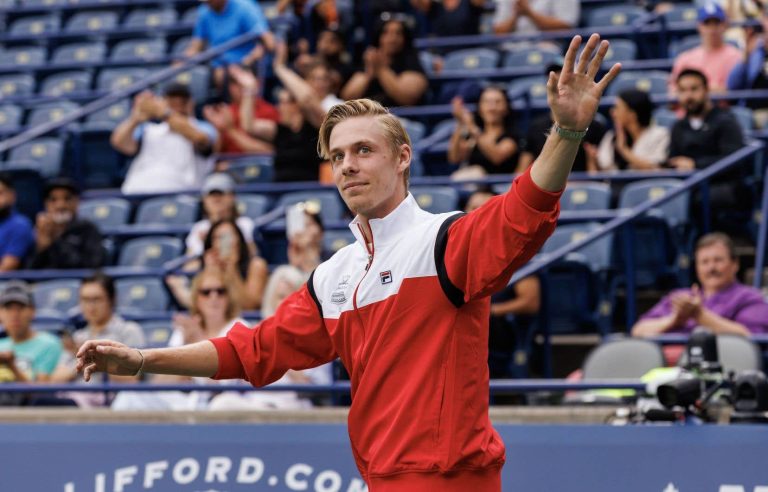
(61, 239)
(305, 244)
(714, 57)
(16, 236)
(719, 302)
(171, 147)
(451, 17)
(331, 52)
(750, 72)
(220, 21)
(284, 281)
(487, 140)
(232, 120)
(25, 354)
(531, 16)
(635, 143)
(392, 73)
(219, 203)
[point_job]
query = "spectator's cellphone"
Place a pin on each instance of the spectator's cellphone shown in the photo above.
(225, 245)
(295, 222)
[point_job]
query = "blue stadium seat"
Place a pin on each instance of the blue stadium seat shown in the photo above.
(619, 51)
(139, 295)
(60, 295)
(679, 45)
(335, 240)
(682, 12)
(157, 333)
(471, 59)
(139, 50)
(180, 45)
(51, 112)
(111, 79)
(108, 118)
(614, 16)
(92, 22)
(45, 153)
(198, 80)
(150, 252)
(534, 88)
(10, 118)
(253, 169)
(664, 117)
(327, 202)
(436, 199)
(44, 3)
(167, 210)
(7, 4)
(66, 83)
(29, 188)
(150, 18)
(597, 254)
(92, 53)
(586, 196)
(252, 205)
(189, 17)
(650, 81)
(744, 116)
(674, 212)
(427, 59)
(416, 130)
(105, 212)
(17, 85)
(531, 58)
(22, 56)
(38, 25)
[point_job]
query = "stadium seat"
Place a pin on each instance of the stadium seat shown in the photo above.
(10, 118)
(138, 295)
(471, 59)
(253, 169)
(44, 3)
(252, 205)
(139, 50)
(531, 58)
(46, 154)
(60, 295)
(664, 117)
(585, 196)
(674, 212)
(51, 112)
(17, 85)
(744, 116)
(92, 21)
(50, 321)
(326, 202)
(149, 252)
(686, 43)
(189, 17)
(22, 56)
(335, 240)
(108, 118)
(150, 18)
(416, 130)
(29, 188)
(167, 210)
(682, 12)
(198, 80)
(627, 358)
(534, 88)
(436, 199)
(619, 51)
(111, 79)
(427, 59)
(157, 333)
(180, 45)
(650, 81)
(38, 25)
(66, 83)
(90, 53)
(105, 212)
(614, 16)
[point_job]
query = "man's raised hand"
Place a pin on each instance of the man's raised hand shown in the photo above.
(574, 95)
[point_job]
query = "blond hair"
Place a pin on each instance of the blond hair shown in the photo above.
(233, 297)
(393, 129)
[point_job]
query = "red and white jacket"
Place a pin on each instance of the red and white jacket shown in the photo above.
(409, 319)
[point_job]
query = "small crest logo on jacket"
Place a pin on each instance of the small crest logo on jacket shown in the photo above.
(385, 277)
(339, 295)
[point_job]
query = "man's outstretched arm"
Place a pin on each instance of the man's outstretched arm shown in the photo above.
(573, 96)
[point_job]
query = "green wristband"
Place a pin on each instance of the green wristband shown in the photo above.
(570, 134)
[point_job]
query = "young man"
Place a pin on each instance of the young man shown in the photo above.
(16, 235)
(406, 307)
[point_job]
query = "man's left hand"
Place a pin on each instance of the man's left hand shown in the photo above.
(574, 95)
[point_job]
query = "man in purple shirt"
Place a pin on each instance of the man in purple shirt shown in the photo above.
(720, 304)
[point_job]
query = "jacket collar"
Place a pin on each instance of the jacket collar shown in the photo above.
(387, 228)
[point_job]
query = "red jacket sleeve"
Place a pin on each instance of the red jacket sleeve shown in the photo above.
(483, 248)
(294, 338)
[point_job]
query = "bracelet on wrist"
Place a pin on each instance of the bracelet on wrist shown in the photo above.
(570, 134)
(141, 366)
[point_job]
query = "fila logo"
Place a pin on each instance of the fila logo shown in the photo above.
(385, 277)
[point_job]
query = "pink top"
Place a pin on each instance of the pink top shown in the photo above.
(715, 64)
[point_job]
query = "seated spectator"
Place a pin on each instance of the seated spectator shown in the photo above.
(245, 105)
(284, 281)
(531, 16)
(219, 203)
(750, 72)
(16, 237)
(61, 239)
(486, 142)
(97, 305)
(635, 143)
(719, 302)
(25, 354)
(714, 57)
(392, 73)
(220, 21)
(170, 146)
(305, 243)
(451, 17)
(331, 52)
(225, 249)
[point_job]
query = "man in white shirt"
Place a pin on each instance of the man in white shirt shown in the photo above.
(530, 16)
(171, 148)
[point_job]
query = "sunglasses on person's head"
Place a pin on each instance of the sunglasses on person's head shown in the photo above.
(220, 291)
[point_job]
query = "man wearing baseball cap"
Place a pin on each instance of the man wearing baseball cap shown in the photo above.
(713, 57)
(25, 355)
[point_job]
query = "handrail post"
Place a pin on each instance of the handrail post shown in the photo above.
(761, 237)
(628, 239)
(705, 213)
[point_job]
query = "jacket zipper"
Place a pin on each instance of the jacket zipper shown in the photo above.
(370, 250)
